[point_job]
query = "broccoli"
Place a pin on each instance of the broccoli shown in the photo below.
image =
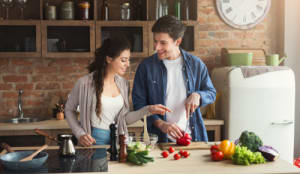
(250, 140)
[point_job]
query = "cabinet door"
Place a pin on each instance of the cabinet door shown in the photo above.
(135, 31)
(20, 39)
(68, 39)
(189, 42)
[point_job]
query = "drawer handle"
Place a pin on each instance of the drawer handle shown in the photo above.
(284, 122)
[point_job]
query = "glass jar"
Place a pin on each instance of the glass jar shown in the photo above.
(67, 10)
(83, 10)
(125, 11)
(50, 13)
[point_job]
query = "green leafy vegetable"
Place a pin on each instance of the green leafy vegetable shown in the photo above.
(250, 140)
(138, 153)
(244, 156)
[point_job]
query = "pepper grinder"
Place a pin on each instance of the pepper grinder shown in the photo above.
(113, 144)
(122, 152)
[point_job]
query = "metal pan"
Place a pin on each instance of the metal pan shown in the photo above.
(12, 160)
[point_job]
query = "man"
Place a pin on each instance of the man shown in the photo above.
(176, 79)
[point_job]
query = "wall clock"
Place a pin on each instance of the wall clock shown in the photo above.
(243, 14)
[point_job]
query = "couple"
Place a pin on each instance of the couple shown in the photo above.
(169, 87)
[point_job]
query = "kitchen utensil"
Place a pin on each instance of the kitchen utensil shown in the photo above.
(66, 146)
(239, 59)
(38, 131)
(12, 160)
(274, 60)
(146, 135)
(6, 147)
(193, 145)
(30, 157)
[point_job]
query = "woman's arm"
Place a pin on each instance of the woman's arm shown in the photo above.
(70, 111)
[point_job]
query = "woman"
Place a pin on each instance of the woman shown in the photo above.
(103, 96)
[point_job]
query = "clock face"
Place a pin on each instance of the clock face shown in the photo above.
(243, 14)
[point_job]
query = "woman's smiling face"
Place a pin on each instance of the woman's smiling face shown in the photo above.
(120, 64)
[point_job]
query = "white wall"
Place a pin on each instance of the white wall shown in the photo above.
(292, 49)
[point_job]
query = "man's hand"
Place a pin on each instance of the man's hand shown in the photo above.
(87, 140)
(169, 128)
(158, 109)
(191, 103)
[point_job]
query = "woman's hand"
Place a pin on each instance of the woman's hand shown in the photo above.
(169, 128)
(158, 109)
(87, 140)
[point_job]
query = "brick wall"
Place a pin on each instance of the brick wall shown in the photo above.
(44, 80)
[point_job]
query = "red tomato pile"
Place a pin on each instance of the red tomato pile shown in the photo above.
(177, 156)
(297, 162)
(185, 140)
(215, 153)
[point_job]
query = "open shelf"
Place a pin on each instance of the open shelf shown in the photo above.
(20, 39)
(136, 32)
(58, 39)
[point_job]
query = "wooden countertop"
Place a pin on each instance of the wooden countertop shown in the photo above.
(62, 124)
(198, 162)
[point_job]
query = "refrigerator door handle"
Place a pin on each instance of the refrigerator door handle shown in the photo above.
(284, 122)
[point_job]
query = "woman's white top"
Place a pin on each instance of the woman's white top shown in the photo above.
(111, 106)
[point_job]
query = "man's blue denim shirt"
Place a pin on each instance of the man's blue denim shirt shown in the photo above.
(150, 85)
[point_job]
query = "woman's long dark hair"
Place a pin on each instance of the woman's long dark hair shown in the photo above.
(111, 47)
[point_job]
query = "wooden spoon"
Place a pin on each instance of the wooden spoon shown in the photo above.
(146, 135)
(30, 157)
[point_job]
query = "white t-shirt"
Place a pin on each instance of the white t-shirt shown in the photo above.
(176, 93)
(110, 106)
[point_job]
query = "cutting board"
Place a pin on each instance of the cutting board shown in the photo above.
(193, 145)
(258, 59)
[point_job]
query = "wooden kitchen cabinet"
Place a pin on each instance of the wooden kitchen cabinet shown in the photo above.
(68, 38)
(20, 39)
(135, 31)
(34, 36)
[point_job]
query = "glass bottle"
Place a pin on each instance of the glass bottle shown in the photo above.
(105, 11)
(164, 8)
(177, 9)
(125, 11)
(186, 10)
(83, 10)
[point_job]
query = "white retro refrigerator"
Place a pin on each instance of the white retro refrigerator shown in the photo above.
(263, 103)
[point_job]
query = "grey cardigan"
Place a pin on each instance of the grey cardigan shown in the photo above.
(82, 95)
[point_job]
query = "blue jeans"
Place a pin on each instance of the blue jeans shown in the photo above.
(101, 136)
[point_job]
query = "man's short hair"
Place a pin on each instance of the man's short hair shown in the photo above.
(169, 24)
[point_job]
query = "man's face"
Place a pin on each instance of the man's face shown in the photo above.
(165, 46)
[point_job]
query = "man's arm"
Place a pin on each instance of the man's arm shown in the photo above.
(207, 91)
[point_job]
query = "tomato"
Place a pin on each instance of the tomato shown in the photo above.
(185, 140)
(165, 154)
(185, 154)
(214, 149)
(297, 162)
(171, 149)
(218, 156)
(181, 152)
(187, 136)
(177, 156)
